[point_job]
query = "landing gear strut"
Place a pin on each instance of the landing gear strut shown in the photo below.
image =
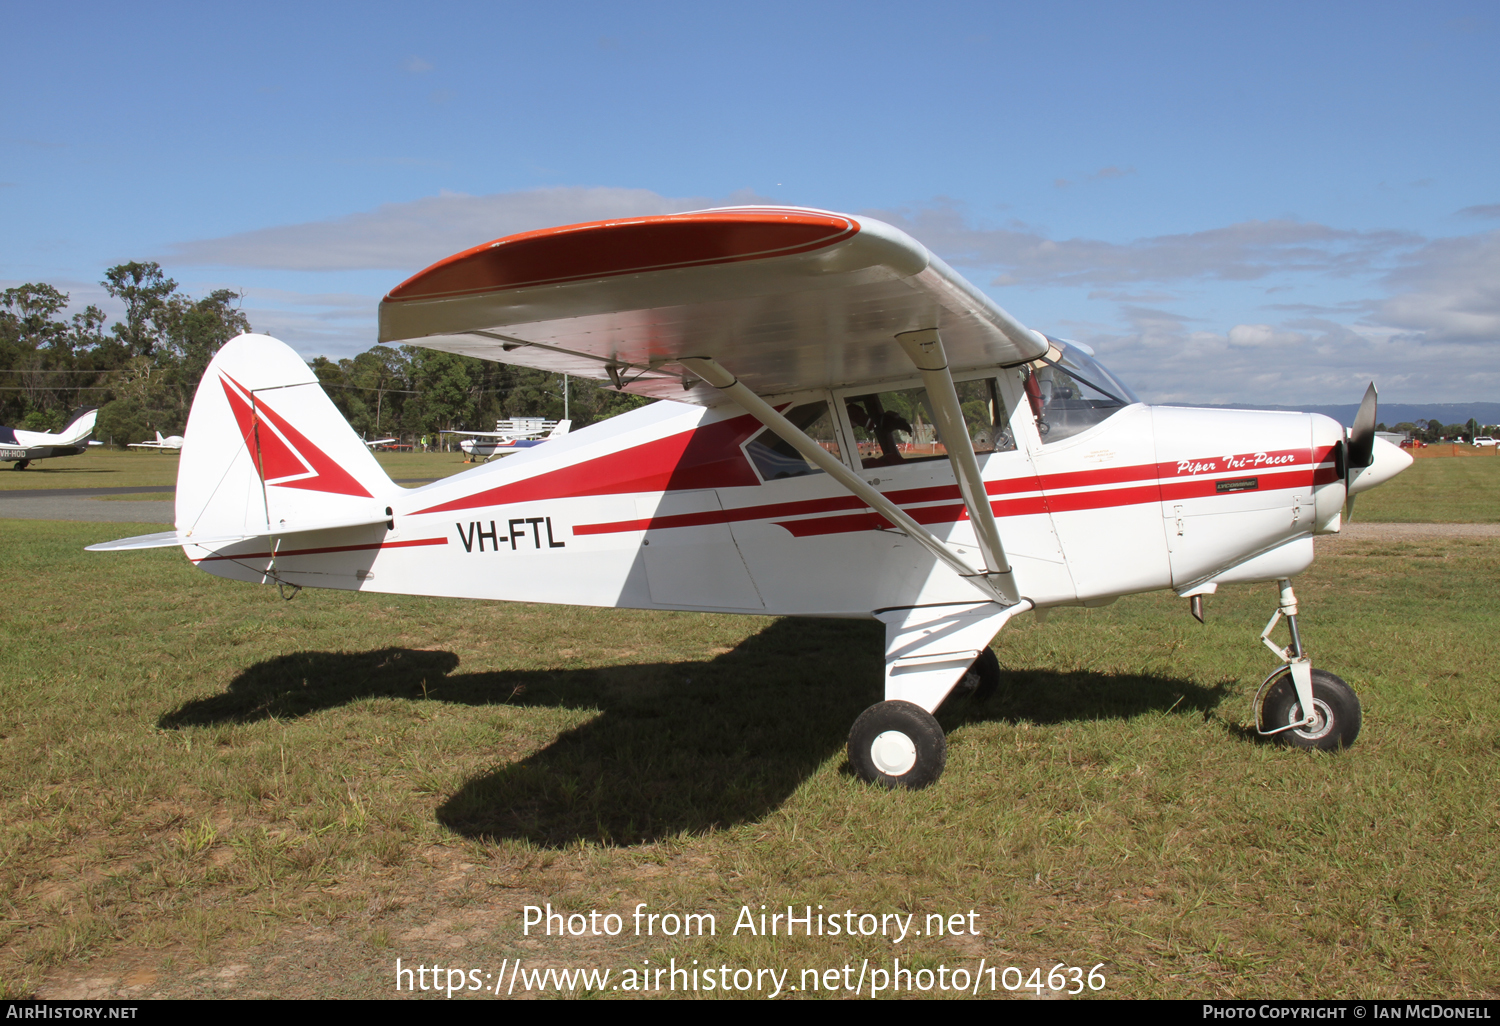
(1298, 705)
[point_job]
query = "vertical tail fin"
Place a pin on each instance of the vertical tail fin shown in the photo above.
(80, 425)
(561, 429)
(266, 452)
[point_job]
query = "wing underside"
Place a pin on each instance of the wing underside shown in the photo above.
(789, 299)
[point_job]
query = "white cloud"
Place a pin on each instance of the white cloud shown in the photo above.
(1247, 251)
(1263, 336)
(332, 324)
(408, 236)
(1449, 290)
(1391, 306)
(1308, 362)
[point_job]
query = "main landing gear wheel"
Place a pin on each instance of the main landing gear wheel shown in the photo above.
(897, 744)
(1335, 706)
(981, 680)
(20, 465)
(986, 674)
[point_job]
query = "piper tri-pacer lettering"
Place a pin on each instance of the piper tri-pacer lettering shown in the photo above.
(849, 429)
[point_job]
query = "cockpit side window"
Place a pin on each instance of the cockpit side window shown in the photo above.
(897, 427)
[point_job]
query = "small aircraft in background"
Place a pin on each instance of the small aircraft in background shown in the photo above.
(21, 447)
(847, 428)
(509, 436)
(377, 443)
(172, 442)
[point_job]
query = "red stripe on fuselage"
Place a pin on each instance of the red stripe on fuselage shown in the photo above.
(704, 457)
(710, 457)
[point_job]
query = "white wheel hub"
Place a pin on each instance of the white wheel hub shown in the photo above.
(1322, 720)
(893, 753)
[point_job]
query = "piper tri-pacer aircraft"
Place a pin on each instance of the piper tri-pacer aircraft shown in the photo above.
(850, 429)
(21, 447)
(510, 436)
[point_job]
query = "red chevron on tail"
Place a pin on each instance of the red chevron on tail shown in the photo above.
(283, 455)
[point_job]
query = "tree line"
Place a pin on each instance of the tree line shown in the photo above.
(143, 370)
(1437, 431)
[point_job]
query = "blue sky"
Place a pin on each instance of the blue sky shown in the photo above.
(1270, 203)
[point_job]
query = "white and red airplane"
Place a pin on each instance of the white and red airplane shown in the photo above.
(172, 443)
(20, 446)
(851, 429)
(510, 436)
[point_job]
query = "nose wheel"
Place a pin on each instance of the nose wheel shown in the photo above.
(1298, 705)
(1335, 718)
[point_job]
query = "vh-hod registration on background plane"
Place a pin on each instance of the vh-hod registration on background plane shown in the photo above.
(850, 429)
(21, 447)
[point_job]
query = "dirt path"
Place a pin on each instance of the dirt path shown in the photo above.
(1391, 532)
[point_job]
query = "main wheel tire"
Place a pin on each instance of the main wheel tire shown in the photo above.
(20, 465)
(1334, 702)
(987, 669)
(897, 744)
(981, 680)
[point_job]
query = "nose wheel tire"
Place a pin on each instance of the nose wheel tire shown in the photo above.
(897, 744)
(1335, 710)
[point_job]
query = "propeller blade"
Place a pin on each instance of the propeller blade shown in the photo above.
(1362, 435)
(1359, 450)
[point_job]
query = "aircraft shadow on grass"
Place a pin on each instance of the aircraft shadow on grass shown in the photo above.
(678, 747)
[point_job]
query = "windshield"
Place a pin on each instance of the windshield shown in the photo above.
(1070, 391)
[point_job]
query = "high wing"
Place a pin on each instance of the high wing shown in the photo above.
(485, 434)
(788, 298)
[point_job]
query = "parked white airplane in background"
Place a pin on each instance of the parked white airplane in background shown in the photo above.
(510, 436)
(377, 443)
(21, 446)
(851, 429)
(173, 442)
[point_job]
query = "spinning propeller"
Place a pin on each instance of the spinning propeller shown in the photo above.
(1359, 449)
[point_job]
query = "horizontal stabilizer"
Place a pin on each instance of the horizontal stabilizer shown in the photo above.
(163, 540)
(172, 539)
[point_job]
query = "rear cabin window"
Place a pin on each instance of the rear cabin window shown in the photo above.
(774, 457)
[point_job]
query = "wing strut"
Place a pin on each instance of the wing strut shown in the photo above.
(995, 587)
(926, 351)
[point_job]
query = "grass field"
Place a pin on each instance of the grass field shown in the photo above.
(209, 791)
(1437, 490)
